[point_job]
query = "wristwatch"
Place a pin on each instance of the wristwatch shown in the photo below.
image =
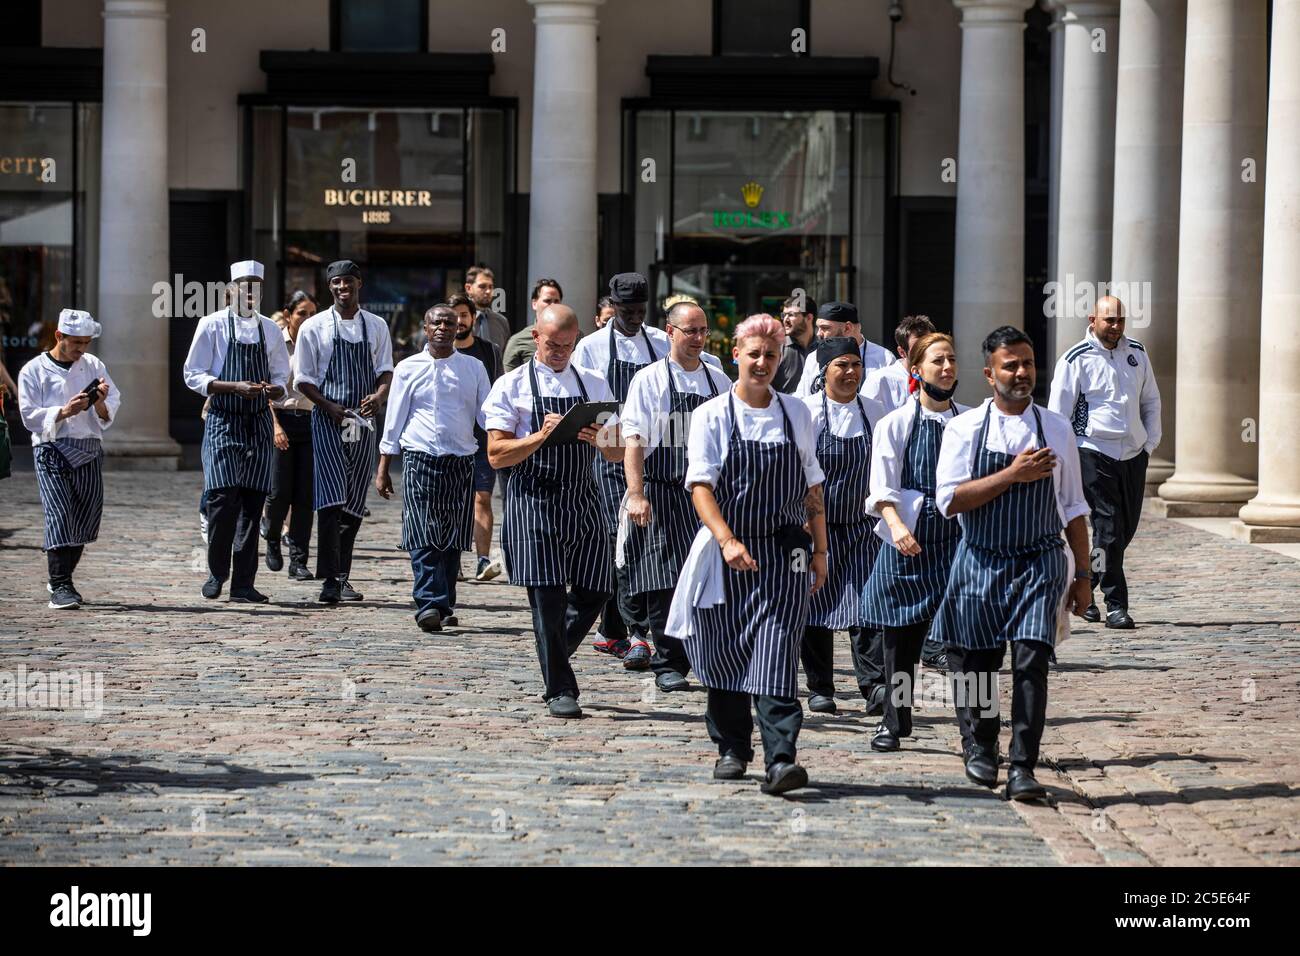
(1082, 575)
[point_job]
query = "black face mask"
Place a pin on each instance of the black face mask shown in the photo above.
(936, 392)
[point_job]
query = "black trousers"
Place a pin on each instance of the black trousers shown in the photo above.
(902, 654)
(818, 655)
(974, 674)
(561, 620)
(731, 724)
(670, 653)
(62, 562)
(612, 626)
(293, 487)
(233, 514)
(1114, 492)
(336, 533)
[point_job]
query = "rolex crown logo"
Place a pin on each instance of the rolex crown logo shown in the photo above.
(752, 192)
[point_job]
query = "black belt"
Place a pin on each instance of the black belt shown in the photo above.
(292, 411)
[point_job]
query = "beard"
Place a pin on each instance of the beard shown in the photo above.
(462, 334)
(1015, 393)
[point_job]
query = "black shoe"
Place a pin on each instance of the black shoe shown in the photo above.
(1119, 620)
(299, 572)
(876, 700)
(564, 706)
(728, 767)
(821, 704)
(329, 592)
(637, 657)
(274, 556)
(451, 620)
(784, 777)
(212, 588)
(75, 593)
(982, 768)
(885, 740)
(347, 592)
(429, 620)
(64, 598)
(1022, 786)
(247, 596)
(934, 656)
(670, 681)
(1092, 615)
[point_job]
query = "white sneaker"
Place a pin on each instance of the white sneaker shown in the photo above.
(488, 569)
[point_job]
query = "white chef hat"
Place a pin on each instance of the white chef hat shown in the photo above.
(248, 269)
(76, 322)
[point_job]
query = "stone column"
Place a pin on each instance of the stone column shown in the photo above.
(133, 247)
(1085, 199)
(1274, 514)
(989, 274)
(1148, 158)
(562, 207)
(1057, 32)
(1220, 248)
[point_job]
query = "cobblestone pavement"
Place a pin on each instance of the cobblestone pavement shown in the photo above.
(296, 734)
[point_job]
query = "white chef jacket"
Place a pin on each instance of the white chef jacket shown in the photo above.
(44, 387)
(211, 341)
(592, 350)
(316, 343)
(1010, 435)
(509, 405)
(846, 420)
(706, 449)
(434, 404)
(888, 447)
(873, 356)
(1110, 397)
(888, 385)
(645, 413)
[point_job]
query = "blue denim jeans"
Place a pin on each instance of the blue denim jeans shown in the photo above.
(435, 573)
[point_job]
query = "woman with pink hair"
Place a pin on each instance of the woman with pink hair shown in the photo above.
(742, 601)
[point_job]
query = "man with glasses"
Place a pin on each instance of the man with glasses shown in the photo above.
(798, 314)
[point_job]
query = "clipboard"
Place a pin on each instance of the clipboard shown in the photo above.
(577, 418)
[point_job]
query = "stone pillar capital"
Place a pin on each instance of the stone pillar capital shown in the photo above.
(565, 11)
(992, 12)
(149, 9)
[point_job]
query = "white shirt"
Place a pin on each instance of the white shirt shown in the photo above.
(212, 340)
(592, 350)
(873, 356)
(1010, 435)
(887, 385)
(316, 343)
(846, 419)
(434, 404)
(45, 387)
(293, 399)
(645, 413)
(1110, 394)
(888, 447)
(706, 449)
(509, 405)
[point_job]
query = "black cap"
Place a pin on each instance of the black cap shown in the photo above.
(838, 312)
(343, 267)
(629, 288)
(830, 349)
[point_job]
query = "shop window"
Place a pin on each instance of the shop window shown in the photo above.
(379, 26)
(759, 27)
(22, 24)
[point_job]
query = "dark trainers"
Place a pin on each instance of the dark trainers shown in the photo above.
(274, 555)
(347, 592)
(329, 592)
(564, 706)
(212, 588)
(247, 596)
(637, 657)
(1092, 615)
(429, 621)
(299, 572)
(618, 648)
(784, 777)
(1119, 619)
(64, 598)
(75, 592)
(451, 620)
(669, 681)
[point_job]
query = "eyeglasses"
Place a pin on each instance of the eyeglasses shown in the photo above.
(701, 330)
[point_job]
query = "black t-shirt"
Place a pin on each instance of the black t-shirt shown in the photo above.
(490, 356)
(63, 365)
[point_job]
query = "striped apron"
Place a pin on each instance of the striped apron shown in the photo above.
(611, 480)
(342, 469)
(238, 434)
(551, 532)
(906, 589)
(656, 553)
(850, 532)
(750, 643)
(1011, 568)
(437, 501)
(70, 479)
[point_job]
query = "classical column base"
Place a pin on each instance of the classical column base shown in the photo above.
(1209, 487)
(1194, 509)
(1264, 534)
(1265, 513)
(1159, 470)
(147, 455)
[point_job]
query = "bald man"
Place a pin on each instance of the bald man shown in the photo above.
(552, 534)
(1105, 386)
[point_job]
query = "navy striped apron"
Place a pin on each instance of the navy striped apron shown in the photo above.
(70, 479)
(656, 553)
(342, 469)
(850, 533)
(239, 434)
(611, 480)
(1010, 570)
(437, 501)
(906, 589)
(551, 531)
(750, 643)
